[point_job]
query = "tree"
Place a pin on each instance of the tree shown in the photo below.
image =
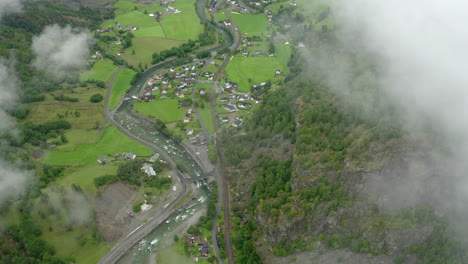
(96, 98)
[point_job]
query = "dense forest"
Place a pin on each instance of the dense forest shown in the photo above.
(297, 164)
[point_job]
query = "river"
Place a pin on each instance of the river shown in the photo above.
(145, 129)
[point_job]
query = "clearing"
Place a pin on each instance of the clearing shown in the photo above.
(102, 70)
(253, 25)
(111, 142)
(120, 87)
(166, 110)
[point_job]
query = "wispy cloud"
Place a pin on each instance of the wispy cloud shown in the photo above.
(10, 6)
(61, 51)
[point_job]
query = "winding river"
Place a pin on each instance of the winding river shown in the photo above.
(145, 129)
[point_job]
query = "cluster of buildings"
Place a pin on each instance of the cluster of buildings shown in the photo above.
(202, 245)
(175, 82)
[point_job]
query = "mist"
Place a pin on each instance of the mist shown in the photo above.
(415, 54)
(61, 52)
(10, 6)
(12, 180)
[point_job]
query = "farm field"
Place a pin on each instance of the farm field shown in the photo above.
(84, 176)
(283, 54)
(121, 84)
(220, 16)
(125, 6)
(89, 115)
(79, 136)
(111, 142)
(101, 71)
(144, 48)
(166, 110)
(147, 26)
(185, 25)
(258, 69)
(252, 25)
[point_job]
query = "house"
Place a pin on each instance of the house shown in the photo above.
(244, 105)
(183, 104)
(186, 119)
(129, 155)
(189, 131)
(148, 98)
(224, 99)
(225, 119)
(154, 158)
(229, 108)
(277, 72)
(148, 169)
(202, 91)
(243, 97)
(102, 160)
(189, 112)
(163, 92)
(180, 95)
(237, 122)
(204, 248)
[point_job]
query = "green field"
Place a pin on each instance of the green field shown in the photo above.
(125, 6)
(258, 69)
(283, 54)
(220, 17)
(84, 176)
(120, 87)
(151, 9)
(205, 113)
(111, 142)
(275, 7)
(147, 26)
(79, 136)
(102, 70)
(253, 25)
(185, 25)
(166, 110)
(89, 113)
(145, 47)
(173, 254)
(107, 24)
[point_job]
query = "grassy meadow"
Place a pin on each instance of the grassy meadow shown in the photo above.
(185, 25)
(144, 48)
(166, 110)
(88, 113)
(120, 87)
(101, 71)
(111, 142)
(252, 25)
(258, 69)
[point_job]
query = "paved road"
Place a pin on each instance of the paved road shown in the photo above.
(123, 246)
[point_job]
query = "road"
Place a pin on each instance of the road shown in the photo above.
(123, 246)
(220, 168)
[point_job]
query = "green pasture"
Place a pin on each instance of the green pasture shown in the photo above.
(253, 25)
(185, 25)
(107, 24)
(89, 113)
(125, 6)
(101, 71)
(120, 87)
(141, 21)
(220, 16)
(151, 9)
(144, 48)
(166, 110)
(258, 69)
(283, 54)
(79, 136)
(111, 142)
(84, 176)
(275, 7)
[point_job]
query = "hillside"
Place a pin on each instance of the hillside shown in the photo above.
(315, 178)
